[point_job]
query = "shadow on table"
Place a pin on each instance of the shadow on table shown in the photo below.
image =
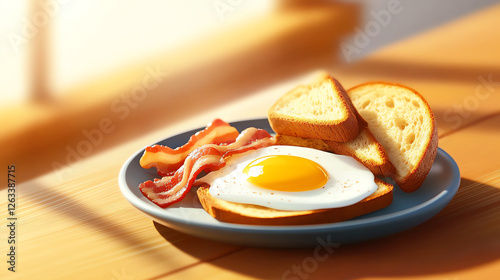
(462, 236)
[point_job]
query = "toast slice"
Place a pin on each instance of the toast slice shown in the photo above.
(239, 213)
(402, 121)
(364, 148)
(320, 110)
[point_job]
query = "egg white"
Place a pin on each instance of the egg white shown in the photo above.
(349, 181)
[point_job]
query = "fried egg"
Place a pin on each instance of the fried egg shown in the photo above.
(291, 178)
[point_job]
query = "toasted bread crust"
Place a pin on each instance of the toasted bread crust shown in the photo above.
(383, 168)
(317, 144)
(231, 212)
(411, 181)
(342, 130)
(379, 168)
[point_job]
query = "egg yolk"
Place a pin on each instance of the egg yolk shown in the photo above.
(286, 173)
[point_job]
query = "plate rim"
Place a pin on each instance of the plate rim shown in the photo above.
(152, 209)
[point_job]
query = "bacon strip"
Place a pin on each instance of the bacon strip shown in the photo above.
(209, 157)
(168, 160)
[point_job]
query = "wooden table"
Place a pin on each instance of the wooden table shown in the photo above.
(73, 223)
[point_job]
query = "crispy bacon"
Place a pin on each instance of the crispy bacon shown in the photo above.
(168, 160)
(209, 157)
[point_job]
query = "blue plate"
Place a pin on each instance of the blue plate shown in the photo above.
(406, 211)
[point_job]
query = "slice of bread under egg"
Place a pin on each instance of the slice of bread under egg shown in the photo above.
(239, 213)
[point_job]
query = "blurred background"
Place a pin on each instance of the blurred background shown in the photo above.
(71, 68)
